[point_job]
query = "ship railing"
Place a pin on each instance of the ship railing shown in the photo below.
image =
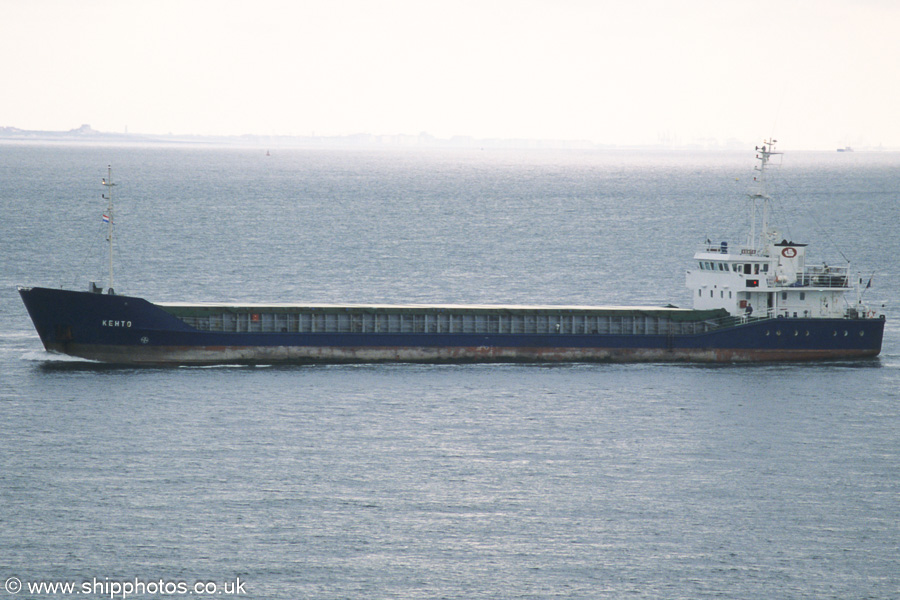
(732, 320)
(821, 276)
(726, 248)
(465, 322)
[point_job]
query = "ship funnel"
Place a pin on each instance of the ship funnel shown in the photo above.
(791, 261)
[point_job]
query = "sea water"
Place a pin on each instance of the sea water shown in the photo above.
(456, 481)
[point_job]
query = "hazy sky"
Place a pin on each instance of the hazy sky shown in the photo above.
(816, 73)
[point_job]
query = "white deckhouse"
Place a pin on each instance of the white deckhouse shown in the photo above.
(768, 275)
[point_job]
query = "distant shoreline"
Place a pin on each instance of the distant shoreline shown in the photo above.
(87, 135)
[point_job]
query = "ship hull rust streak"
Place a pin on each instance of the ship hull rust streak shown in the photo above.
(211, 355)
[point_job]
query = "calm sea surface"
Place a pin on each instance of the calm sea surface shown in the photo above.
(403, 481)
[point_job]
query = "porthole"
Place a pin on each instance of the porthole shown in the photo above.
(796, 333)
(778, 332)
(807, 333)
(768, 332)
(834, 334)
(861, 333)
(846, 333)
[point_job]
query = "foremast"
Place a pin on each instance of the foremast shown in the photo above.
(108, 218)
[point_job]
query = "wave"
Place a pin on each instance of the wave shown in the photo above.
(20, 335)
(54, 357)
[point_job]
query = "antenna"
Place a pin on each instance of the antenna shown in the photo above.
(108, 217)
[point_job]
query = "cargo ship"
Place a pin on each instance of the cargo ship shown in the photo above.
(753, 301)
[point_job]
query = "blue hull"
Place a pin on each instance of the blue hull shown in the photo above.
(130, 330)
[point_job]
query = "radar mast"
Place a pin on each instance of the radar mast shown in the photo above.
(759, 197)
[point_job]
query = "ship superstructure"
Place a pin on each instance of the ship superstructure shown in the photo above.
(768, 276)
